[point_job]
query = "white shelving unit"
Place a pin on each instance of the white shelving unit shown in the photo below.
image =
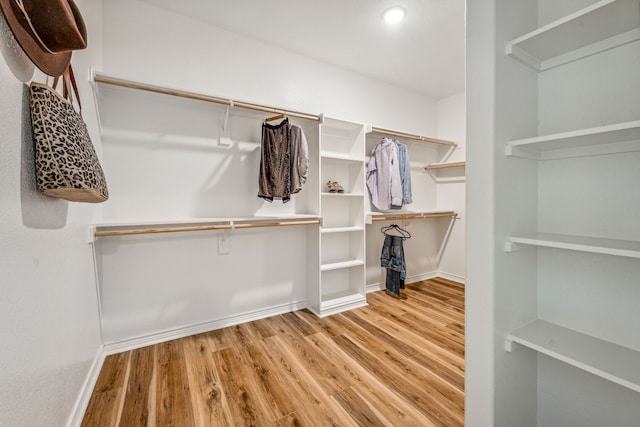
(341, 285)
(613, 362)
(572, 292)
(602, 26)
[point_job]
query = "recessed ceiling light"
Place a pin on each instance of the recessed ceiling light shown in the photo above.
(394, 14)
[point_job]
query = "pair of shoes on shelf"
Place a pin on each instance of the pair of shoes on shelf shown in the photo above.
(334, 187)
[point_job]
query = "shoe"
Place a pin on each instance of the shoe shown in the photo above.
(334, 187)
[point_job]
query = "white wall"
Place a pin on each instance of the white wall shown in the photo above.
(451, 190)
(480, 342)
(49, 325)
(147, 43)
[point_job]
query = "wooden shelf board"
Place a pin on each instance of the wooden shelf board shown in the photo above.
(619, 137)
(613, 362)
(625, 248)
(601, 26)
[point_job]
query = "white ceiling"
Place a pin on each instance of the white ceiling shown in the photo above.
(424, 53)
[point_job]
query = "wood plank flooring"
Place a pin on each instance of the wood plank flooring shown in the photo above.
(392, 363)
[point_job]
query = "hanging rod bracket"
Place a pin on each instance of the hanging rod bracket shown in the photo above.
(92, 234)
(224, 136)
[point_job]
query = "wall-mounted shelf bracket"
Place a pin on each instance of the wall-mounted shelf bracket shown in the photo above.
(508, 344)
(92, 234)
(511, 151)
(510, 246)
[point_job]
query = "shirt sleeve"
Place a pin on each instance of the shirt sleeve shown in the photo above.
(303, 158)
(396, 180)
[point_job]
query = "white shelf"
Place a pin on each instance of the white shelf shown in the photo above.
(615, 138)
(602, 358)
(339, 301)
(601, 26)
(625, 248)
(345, 194)
(339, 157)
(341, 265)
(341, 230)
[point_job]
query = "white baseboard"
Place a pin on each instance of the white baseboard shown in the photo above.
(411, 279)
(82, 401)
(417, 278)
(168, 335)
(452, 277)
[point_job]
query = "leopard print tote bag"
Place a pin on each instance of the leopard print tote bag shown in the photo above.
(66, 162)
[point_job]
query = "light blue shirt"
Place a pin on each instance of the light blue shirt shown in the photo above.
(405, 171)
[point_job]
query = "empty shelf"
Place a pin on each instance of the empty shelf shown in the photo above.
(340, 157)
(345, 194)
(342, 264)
(601, 26)
(337, 300)
(599, 357)
(615, 138)
(340, 229)
(626, 248)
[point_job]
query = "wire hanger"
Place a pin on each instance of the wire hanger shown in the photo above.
(394, 227)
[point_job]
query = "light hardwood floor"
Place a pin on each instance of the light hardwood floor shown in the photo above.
(392, 363)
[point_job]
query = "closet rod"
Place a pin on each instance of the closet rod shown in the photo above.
(415, 137)
(445, 165)
(202, 228)
(416, 216)
(98, 78)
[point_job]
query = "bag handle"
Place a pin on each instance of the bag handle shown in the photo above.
(68, 84)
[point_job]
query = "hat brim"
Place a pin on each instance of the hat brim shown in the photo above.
(52, 64)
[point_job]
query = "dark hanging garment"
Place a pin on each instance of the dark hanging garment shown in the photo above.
(392, 258)
(274, 181)
(284, 161)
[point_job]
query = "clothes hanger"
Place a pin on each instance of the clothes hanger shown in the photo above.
(394, 227)
(276, 117)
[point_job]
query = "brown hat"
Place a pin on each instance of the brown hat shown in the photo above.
(47, 30)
